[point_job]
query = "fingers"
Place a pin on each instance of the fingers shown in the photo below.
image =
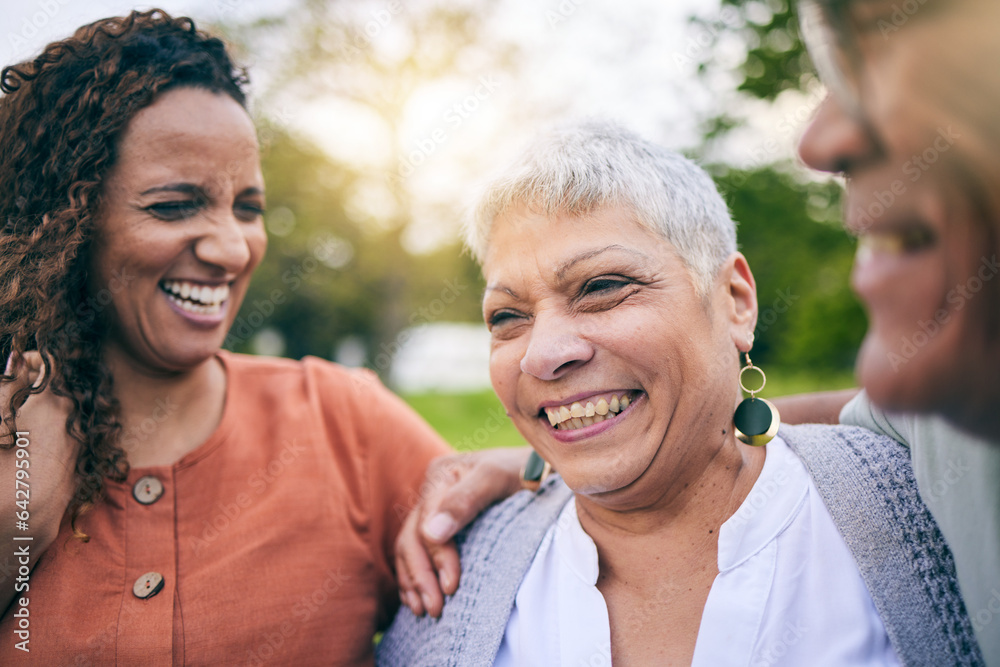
(407, 589)
(485, 477)
(442, 475)
(448, 568)
(417, 573)
(456, 490)
(418, 584)
(430, 586)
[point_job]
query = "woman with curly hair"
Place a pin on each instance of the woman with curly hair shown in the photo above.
(186, 505)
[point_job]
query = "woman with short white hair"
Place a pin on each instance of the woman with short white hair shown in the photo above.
(619, 309)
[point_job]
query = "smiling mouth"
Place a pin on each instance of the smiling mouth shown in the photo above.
(194, 298)
(594, 410)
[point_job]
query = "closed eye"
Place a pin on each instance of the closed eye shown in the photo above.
(501, 317)
(603, 285)
(174, 210)
(249, 211)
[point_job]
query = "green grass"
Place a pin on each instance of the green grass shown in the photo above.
(467, 421)
(477, 420)
(784, 382)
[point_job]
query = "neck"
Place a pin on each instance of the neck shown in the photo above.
(694, 502)
(165, 415)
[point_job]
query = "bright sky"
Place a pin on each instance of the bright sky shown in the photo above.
(588, 58)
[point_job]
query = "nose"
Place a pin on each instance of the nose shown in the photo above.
(555, 348)
(835, 141)
(225, 243)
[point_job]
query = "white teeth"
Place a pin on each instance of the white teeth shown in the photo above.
(204, 295)
(577, 415)
(184, 304)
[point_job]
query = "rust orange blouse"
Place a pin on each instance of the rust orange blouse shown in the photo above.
(271, 543)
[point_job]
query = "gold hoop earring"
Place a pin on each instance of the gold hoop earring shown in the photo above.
(756, 420)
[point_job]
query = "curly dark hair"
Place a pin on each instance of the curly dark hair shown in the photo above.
(61, 117)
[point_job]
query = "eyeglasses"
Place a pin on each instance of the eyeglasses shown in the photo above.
(827, 36)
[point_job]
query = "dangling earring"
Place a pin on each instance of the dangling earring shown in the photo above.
(756, 419)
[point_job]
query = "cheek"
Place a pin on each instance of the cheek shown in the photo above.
(257, 242)
(504, 370)
(926, 290)
(113, 270)
(975, 301)
(899, 291)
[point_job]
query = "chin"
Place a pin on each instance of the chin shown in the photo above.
(186, 359)
(902, 382)
(598, 478)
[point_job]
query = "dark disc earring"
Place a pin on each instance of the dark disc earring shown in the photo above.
(756, 419)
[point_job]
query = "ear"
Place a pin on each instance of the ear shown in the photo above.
(739, 291)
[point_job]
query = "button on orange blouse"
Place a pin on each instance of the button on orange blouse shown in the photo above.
(271, 542)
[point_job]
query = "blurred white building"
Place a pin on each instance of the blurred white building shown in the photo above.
(444, 356)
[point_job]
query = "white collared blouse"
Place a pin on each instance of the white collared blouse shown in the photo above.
(788, 591)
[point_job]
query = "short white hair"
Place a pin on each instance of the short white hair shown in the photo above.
(586, 166)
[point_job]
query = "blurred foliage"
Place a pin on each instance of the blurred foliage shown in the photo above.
(789, 231)
(351, 276)
(790, 227)
(776, 59)
(325, 278)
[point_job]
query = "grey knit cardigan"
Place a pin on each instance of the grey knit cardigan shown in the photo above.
(866, 482)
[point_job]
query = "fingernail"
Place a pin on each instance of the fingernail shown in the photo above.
(440, 526)
(445, 579)
(427, 604)
(413, 602)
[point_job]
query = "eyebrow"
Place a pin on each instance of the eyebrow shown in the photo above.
(564, 268)
(189, 189)
(185, 188)
(500, 288)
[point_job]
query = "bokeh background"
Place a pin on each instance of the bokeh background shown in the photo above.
(378, 119)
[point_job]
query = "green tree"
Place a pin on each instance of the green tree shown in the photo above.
(370, 287)
(789, 224)
(802, 260)
(776, 59)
